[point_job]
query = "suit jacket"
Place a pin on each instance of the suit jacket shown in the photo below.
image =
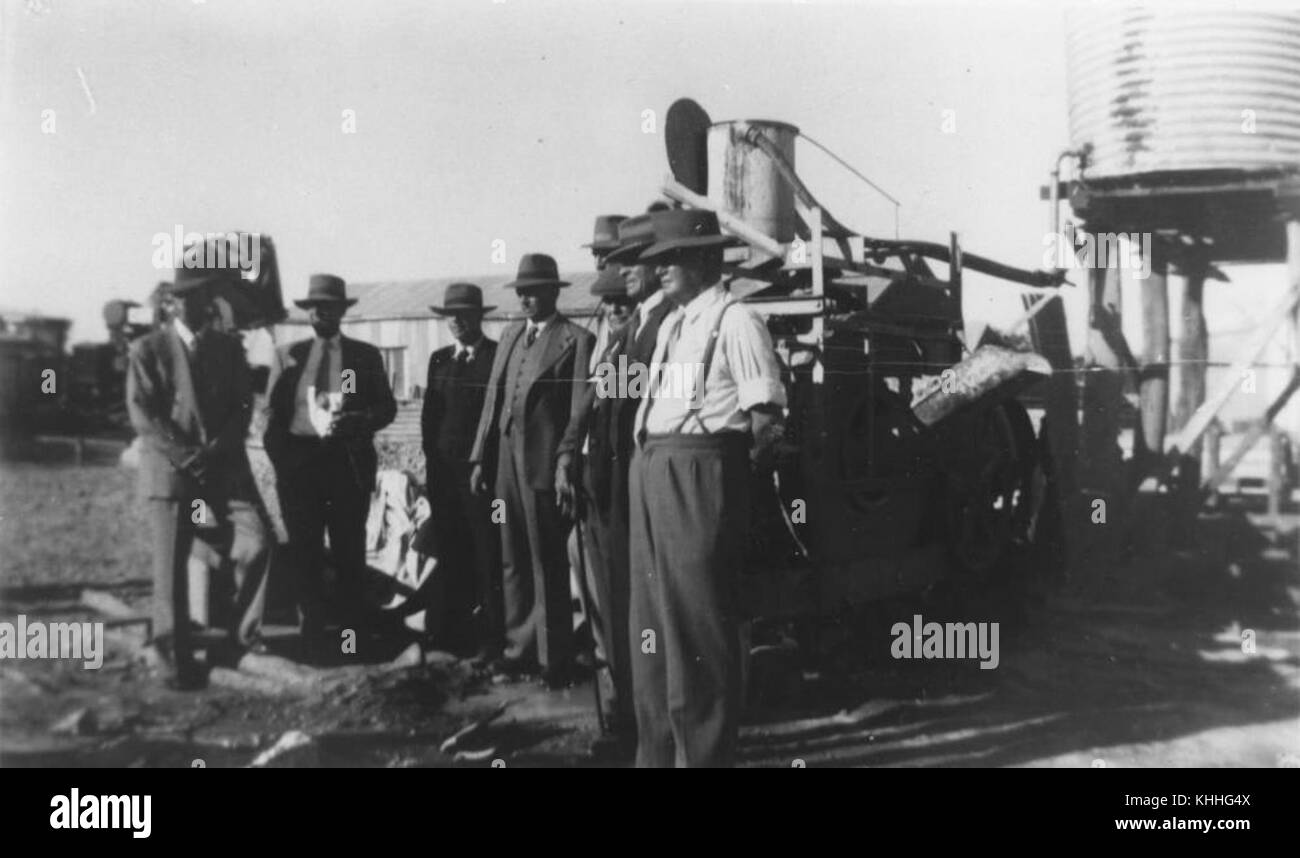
(371, 397)
(180, 405)
(608, 422)
(553, 390)
(453, 403)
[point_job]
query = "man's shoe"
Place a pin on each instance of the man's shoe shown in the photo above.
(613, 748)
(189, 679)
(514, 668)
(485, 657)
(557, 678)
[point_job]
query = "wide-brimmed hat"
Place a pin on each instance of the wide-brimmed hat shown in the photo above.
(326, 289)
(609, 284)
(684, 228)
(536, 269)
(461, 298)
(634, 235)
(605, 236)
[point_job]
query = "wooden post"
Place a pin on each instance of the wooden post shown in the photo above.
(1193, 354)
(1193, 348)
(1213, 449)
(1103, 382)
(1153, 388)
(1276, 474)
(1051, 338)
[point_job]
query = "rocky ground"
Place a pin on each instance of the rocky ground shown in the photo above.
(1181, 652)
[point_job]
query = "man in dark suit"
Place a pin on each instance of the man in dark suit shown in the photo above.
(605, 422)
(189, 396)
(328, 396)
(537, 373)
(465, 539)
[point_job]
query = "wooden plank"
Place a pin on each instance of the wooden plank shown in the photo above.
(1196, 426)
(1153, 385)
(1257, 431)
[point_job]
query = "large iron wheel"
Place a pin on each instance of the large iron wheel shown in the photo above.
(988, 489)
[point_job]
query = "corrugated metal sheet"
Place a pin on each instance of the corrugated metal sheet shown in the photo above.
(410, 299)
(1167, 89)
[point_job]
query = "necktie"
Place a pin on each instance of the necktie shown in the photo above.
(531, 337)
(323, 370)
(197, 380)
(674, 334)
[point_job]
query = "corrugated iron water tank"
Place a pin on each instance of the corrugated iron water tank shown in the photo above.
(1168, 89)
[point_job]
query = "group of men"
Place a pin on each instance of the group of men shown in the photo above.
(543, 453)
(651, 480)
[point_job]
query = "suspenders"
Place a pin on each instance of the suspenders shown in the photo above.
(697, 400)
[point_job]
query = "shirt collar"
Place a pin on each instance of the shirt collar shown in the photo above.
(461, 348)
(704, 301)
(541, 326)
(649, 304)
(182, 330)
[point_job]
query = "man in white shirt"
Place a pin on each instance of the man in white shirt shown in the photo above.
(327, 397)
(716, 400)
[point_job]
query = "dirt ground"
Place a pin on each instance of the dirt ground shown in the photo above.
(1136, 660)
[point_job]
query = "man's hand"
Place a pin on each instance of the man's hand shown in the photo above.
(768, 426)
(348, 424)
(477, 485)
(196, 464)
(566, 496)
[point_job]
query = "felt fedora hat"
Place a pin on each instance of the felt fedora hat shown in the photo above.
(634, 235)
(536, 269)
(605, 235)
(461, 298)
(609, 284)
(678, 229)
(326, 289)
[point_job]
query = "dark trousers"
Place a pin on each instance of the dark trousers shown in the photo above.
(605, 534)
(468, 549)
(236, 534)
(689, 521)
(322, 491)
(534, 569)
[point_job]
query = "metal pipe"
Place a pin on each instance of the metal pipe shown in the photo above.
(1081, 155)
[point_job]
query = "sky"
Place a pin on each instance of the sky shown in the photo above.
(476, 122)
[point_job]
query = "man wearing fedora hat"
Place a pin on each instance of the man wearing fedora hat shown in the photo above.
(189, 396)
(611, 313)
(466, 542)
(327, 397)
(689, 497)
(604, 238)
(537, 372)
(601, 429)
